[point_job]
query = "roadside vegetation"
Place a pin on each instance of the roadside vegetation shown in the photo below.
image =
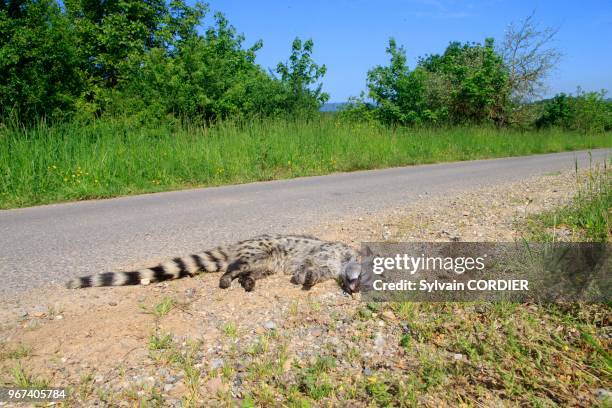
(153, 96)
(586, 218)
(46, 164)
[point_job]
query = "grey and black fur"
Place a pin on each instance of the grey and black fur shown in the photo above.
(308, 259)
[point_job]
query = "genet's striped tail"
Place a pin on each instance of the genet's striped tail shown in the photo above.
(209, 261)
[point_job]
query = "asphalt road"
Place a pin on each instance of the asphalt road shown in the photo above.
(51, 244)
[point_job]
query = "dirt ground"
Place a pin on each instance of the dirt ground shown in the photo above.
(113, 346)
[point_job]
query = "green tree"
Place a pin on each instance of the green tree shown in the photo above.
(114, 34)
(299, 74)
(476, 81)
(467, 83)
(209, 77)
(39, 62)
(586, 111)
(147, 58)
(397, 91)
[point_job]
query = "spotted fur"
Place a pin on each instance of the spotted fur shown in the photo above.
(308, 259)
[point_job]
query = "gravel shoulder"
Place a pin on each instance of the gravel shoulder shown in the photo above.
(188, 342)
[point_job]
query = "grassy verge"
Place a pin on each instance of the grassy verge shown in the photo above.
(111, 158)
(587, 218)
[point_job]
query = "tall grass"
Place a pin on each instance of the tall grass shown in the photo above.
(587, 217)
(112, 157)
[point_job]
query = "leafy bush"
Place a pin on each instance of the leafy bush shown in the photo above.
(468, 83)
(147, 59)
(587, 111)
(358, 110)
(38, 60)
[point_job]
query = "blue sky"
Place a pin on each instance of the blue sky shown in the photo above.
(350, 36)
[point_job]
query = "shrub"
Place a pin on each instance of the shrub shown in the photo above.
(587, 111)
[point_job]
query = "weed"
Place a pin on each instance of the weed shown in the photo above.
(20, 351)
(22, 379)
(231, 330)
(587, 217)
(379, 391)
(314, 380)
(160, 341)
(122, 159)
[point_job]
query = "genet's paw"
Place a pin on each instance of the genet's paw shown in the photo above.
(225, 281)
(247, 282)
(311, 279)
(298, 277)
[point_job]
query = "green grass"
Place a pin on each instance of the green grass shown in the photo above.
(161, 309)
(111, 157)
(22, 379)
(587, 217)
(160, 341)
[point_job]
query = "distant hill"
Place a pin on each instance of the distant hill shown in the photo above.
(332, 106)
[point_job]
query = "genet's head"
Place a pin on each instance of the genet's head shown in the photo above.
(355, 278)
(351, 276)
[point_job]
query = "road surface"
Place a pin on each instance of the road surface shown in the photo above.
(53, 243)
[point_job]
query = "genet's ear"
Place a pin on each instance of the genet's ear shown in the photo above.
(366, 253)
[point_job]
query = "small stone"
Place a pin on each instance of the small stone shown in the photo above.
(316, 332)
(379, 340)
(367, 372)
(215, 385)
(59, 317)
(168, 387)
(602, 394)
(287, 364)
(99, 379)
(480, 309)
(270, 325)
(389, 315)
(145, 282)
(179, 389)
(173, 402)
(458, 356)
(216, 363)
(466, 214)
(112, 303)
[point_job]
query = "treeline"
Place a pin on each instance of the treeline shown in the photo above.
(472, 83)
(148, 58)
(154, 60)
